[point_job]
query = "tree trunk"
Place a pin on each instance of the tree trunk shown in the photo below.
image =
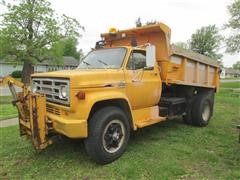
(28, 69)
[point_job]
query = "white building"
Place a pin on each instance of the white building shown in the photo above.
(7, 68)
(232, 73)
(223, 73)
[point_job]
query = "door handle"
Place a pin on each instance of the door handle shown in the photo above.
(135, 80)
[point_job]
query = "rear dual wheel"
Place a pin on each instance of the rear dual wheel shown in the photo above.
(199, 114)
(202, 110)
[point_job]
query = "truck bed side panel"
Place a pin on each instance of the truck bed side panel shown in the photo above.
(185, 71)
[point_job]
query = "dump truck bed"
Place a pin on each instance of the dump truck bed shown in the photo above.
(189, 68)
(176, 66)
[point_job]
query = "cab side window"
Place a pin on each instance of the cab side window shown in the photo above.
(137, 60)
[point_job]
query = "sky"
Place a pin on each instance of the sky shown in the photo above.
(182, 16)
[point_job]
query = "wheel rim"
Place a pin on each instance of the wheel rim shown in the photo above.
(206, 112)
(113, 136)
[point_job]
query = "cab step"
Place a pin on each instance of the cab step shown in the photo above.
(149, 122)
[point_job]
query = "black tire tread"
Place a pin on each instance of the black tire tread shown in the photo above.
(197, 109)
(95, 127)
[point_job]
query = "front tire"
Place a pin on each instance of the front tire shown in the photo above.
(108, 135)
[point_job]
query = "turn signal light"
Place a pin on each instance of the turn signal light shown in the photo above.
(81, 95)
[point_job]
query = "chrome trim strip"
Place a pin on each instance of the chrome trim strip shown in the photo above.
(51, 88)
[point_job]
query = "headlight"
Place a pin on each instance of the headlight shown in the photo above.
(34, 87)
(63, 92)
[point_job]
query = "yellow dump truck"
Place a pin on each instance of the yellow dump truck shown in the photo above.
(132, 79)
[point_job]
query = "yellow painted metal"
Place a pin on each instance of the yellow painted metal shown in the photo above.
(8, 79)
(98, 85)
(72, 121)
(189, 68)
(143, 87)
(39, 129)
(32, 113)
(158, 35)
(73, 128)
(147, 116)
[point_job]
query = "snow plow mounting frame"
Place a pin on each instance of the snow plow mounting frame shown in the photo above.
(31, 113)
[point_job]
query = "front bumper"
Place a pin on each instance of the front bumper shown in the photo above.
(72, 128)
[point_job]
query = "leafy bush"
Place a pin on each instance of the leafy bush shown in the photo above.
(16, 74)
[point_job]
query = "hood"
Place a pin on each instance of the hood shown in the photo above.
(87, 78)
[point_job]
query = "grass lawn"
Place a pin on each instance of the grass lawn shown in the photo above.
(7, 110)
(6, 99)
(230, 84)
(168, 150)
(231, 78)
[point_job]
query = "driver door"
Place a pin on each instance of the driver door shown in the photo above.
(142, 85)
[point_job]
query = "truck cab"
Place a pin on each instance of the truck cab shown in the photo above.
(116, 75)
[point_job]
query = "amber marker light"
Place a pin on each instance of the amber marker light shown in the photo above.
(112, 30)
(81, 95)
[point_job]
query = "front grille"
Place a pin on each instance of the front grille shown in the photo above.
(51, 88)
(53, 110)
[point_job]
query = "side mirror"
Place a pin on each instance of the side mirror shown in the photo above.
(150, 55)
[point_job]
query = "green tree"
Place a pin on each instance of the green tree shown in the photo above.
(182, 45)
(236, 65)
(68, 47)
(233, 41)
(207, 41)
(30, 30)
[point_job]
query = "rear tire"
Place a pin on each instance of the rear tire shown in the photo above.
(202, 109)
(187, 118)
(189, 94)
(108, 135)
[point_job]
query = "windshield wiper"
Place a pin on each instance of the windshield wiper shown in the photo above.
(102, 62)
(86, 63)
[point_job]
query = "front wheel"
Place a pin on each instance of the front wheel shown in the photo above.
(108, 135)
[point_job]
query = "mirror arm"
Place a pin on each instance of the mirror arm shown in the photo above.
(148, 68)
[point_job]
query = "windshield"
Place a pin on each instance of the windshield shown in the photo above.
(103, 59)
